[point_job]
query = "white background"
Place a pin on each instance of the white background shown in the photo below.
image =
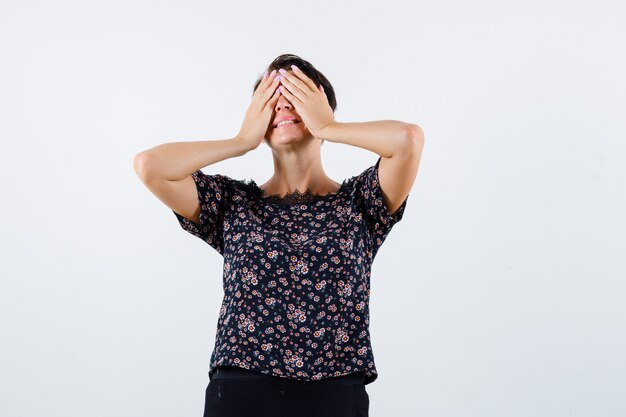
(500, 293)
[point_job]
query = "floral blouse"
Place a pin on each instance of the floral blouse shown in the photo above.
(296, 274)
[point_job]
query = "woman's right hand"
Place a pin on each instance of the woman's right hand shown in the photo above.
(259, 114)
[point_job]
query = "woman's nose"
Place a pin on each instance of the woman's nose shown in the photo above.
(282, 103)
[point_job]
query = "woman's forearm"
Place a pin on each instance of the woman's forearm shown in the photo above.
(384, 137)
(176, 160)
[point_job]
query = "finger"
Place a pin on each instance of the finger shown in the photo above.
(297, 87)
(266, 88)
(265, 77)
(264, 101)
(323, 91)
(290, 97)
(266, 81)
(272, 102)
(302, 76)
(271, 90)
(293, 89)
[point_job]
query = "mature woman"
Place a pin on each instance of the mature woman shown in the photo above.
(293, 329)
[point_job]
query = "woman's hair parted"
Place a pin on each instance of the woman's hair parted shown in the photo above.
(285, 61)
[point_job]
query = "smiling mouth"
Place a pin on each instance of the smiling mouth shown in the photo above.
(286, 124)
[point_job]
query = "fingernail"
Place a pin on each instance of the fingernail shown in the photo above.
(294, 67)
(283, 71)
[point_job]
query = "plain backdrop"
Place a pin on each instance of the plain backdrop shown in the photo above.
(500, 293)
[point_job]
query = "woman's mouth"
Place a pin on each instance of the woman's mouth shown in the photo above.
(286, 123)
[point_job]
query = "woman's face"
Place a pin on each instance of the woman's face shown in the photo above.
(286, 133)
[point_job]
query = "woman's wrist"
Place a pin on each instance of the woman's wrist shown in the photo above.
(241, 146)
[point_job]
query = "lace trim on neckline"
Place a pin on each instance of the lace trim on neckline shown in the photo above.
(295, 196)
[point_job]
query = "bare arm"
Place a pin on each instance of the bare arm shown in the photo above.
(176, 160)
(398, 143)
(166, 170)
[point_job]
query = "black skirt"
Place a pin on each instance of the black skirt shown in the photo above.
(238, 392)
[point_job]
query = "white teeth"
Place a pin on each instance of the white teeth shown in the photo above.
(284, 122)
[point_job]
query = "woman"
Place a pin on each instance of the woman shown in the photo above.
(293, 329)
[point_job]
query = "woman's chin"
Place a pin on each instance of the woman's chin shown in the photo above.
(294, 131)
(289, 137)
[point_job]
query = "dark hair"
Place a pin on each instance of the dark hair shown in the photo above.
(286, 60)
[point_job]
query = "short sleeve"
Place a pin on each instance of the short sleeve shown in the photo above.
(379, 221)
(213, 193)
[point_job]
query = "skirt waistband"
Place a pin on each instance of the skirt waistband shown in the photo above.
(235, 372)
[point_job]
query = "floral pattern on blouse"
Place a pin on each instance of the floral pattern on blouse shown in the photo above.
(296, 274)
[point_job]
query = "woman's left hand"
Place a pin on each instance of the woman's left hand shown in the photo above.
(309, 101)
